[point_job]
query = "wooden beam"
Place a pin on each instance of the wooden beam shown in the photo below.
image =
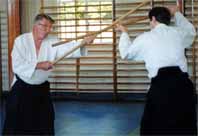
(13, 30)
(63, 7)
(42, 5)
(193, 49)
(115, 94)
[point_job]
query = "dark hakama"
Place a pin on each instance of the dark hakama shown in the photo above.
(29, 110)
(170, 106)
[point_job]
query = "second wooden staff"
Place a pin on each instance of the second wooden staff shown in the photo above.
(128, 22)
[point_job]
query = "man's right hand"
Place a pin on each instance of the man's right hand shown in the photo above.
(173, 9)
(121, 28)
(45, 65)
(89, 39)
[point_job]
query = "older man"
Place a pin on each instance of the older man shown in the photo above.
(29, 109)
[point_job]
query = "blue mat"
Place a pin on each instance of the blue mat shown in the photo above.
(97, 118)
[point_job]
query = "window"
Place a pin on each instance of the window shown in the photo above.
(103, 70)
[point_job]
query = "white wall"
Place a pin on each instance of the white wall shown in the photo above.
(4, 43)
(29, 9)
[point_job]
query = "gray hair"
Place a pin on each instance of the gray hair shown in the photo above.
(43, 16)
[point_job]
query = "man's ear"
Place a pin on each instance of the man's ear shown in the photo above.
(153, 19)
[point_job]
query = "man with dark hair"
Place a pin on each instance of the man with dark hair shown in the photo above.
(171, 101)
(161, 14)
(29, 109)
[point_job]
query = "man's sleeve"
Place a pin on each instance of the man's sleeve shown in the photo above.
(186, 29)
(131, 50)
(20, 63)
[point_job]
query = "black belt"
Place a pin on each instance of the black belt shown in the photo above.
(23, 82)
(170, 72)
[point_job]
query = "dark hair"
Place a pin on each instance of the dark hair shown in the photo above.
(161, 14)
(45, 16)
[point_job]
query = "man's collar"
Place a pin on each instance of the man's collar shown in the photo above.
(160, 25)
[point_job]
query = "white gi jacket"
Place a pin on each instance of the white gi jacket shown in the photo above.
(24, 58)
(163, 46)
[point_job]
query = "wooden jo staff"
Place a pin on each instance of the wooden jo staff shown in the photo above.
(109, 27)
(128, 22)
(98, 32)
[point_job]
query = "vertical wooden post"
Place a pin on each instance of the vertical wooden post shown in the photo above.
(78, 59)
(114, 53)
(42, 6)
(193, 51)
(13, 30)
(152, 4)
(181, 5)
